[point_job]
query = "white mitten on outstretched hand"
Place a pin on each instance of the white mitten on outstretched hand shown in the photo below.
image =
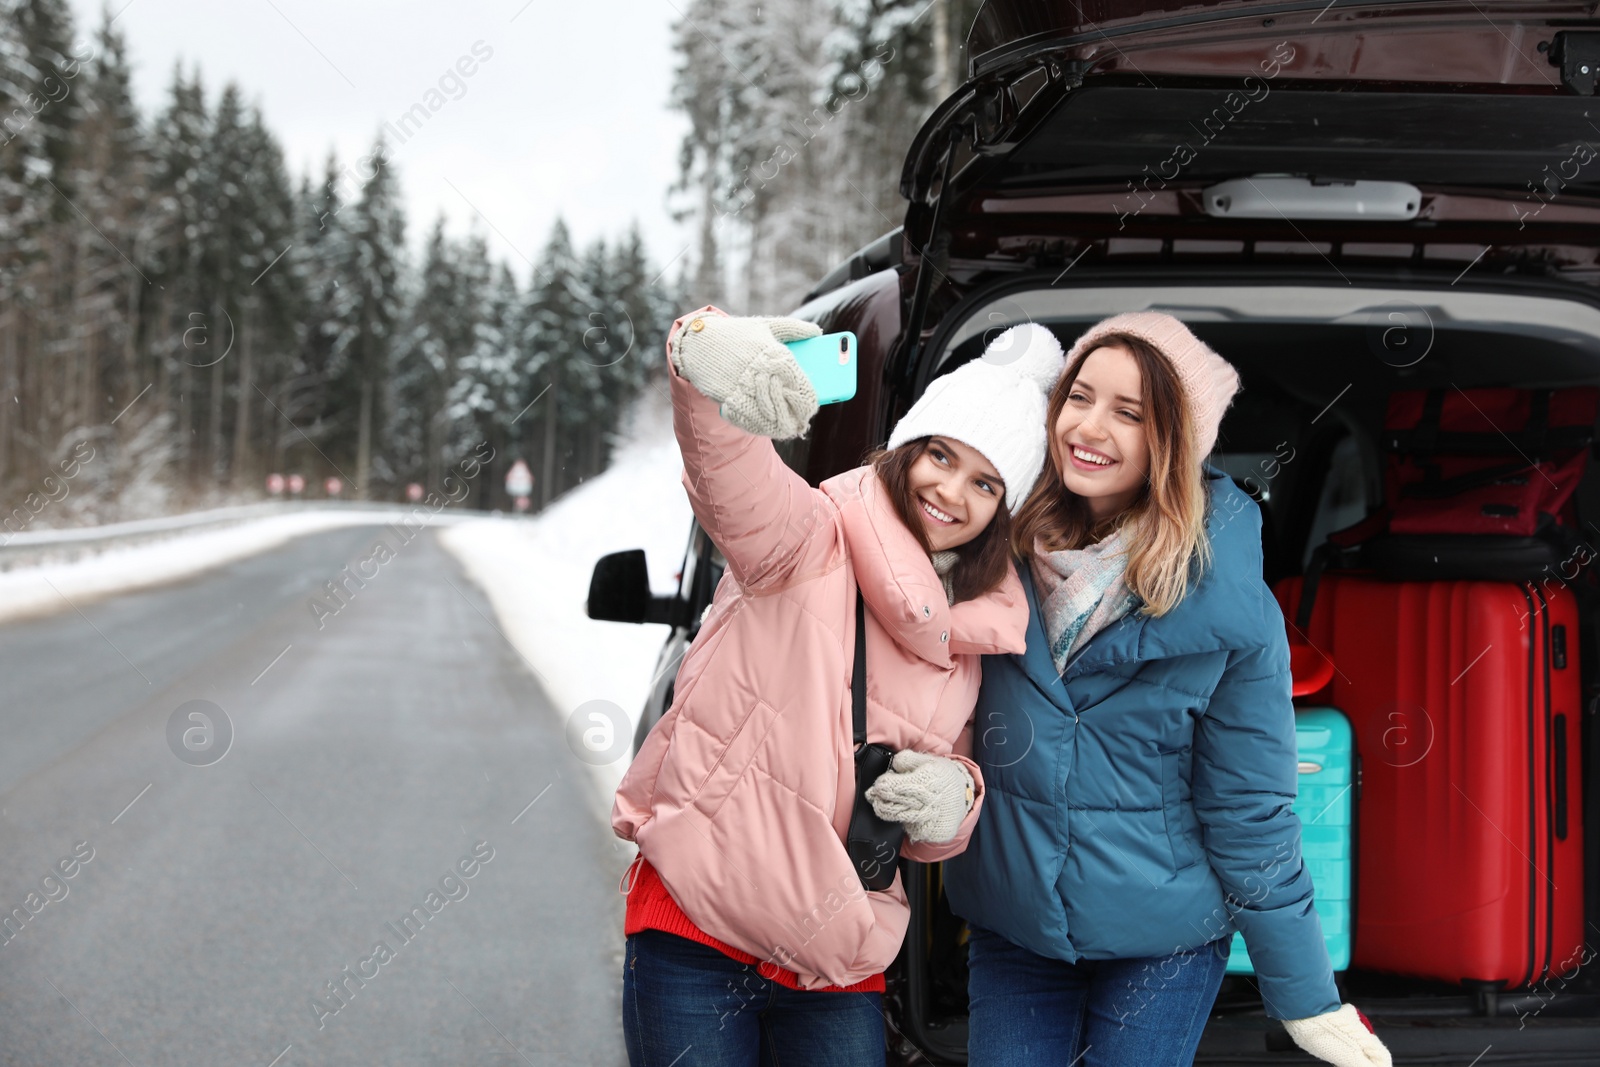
(929, 795)
(1343, 1038)
(741, 364)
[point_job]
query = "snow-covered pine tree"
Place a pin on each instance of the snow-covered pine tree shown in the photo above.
(646, 309)
(17, 148)
(897, 60)
(231, 243)
(38, 235)
(475, 278)
(594, 347)
(555, 308)
(272, 301)
(438, 335)
(484, 399)
(295, 408)
(799, 117)
(172, 263)
(415, 383)
(110, 171)
(202, 241)
(714, 89)
(370, 307)
(43, 62)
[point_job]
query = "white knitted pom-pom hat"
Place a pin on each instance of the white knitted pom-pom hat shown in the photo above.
(995, 404)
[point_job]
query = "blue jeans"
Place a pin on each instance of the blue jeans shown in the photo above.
(1028, 1009)
(688, 1005)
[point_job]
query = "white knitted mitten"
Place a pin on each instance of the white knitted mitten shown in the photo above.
(741, 363)
(930, 795)
(1342, 1038)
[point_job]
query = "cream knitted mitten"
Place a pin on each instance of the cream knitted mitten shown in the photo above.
(1342, 1038)
(741, 364)
(929, 795)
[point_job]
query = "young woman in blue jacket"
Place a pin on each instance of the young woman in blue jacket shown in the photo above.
(1140, 756)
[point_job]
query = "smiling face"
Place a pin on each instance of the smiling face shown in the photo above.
(1100, 442)
(955, 492)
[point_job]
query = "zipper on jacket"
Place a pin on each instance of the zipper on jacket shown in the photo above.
(1070, 661)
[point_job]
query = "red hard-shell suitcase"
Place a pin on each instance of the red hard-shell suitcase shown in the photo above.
(1465, 700)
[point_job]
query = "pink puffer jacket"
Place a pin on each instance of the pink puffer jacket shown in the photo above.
(741, 796)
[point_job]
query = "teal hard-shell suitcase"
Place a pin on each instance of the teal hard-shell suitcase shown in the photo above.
(1325, 806)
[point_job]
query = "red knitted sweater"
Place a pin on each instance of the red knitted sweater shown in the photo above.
(651, 907)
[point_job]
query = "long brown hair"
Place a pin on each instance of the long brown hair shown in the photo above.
(982, 562)
(1165, 526)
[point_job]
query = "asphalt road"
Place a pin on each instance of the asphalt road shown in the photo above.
(374, 760)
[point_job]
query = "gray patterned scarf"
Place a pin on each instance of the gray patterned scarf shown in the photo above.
(944, 565)
(1081, 592)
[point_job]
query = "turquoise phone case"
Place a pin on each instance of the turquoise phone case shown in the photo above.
(830, 362)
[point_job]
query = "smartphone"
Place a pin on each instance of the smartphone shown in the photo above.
(830, 362)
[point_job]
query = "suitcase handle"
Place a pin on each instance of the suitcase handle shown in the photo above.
(1561, 777)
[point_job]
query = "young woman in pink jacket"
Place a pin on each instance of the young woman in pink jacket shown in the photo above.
(750, 936)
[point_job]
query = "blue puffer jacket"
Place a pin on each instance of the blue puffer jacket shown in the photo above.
(1140, 804)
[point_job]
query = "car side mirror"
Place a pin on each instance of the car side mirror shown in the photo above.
(619, 591)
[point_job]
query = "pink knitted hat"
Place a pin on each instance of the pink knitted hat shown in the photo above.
(1209, 381)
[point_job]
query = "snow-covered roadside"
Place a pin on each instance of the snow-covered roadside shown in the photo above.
(536, 574)
(32, 591)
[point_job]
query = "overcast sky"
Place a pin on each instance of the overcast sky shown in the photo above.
(567, 115)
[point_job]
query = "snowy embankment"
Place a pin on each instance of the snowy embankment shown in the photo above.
(536, 574)
(48, 588)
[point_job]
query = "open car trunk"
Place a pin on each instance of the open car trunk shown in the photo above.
(1318, 362)
(1111, 157)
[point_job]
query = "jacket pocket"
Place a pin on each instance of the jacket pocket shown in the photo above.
(1183, 827)
(735, 758)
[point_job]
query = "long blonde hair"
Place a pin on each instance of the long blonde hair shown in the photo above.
(1165, 527)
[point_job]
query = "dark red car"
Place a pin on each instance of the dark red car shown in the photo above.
(1344, 199)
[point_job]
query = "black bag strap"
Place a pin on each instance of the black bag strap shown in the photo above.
(858, 674)
(1308, 585)
(1426, 435)
(1433, 487)
(1342, 549)
(1538, 428)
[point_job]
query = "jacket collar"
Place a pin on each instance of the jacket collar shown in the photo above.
(905, 594)
(1229, 608)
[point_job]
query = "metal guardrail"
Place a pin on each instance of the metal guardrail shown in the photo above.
(31, 547)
